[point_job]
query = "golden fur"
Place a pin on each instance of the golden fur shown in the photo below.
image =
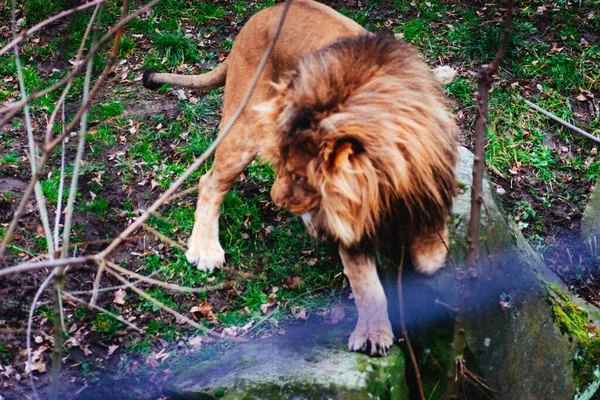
(361, 137)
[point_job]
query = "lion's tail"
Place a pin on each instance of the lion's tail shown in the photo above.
(211, 80)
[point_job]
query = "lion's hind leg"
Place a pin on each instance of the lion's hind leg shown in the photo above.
(429, 251)
(373, 332)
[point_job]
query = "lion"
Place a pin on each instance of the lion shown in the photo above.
(360, 135)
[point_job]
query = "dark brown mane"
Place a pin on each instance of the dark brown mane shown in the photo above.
(372, 96)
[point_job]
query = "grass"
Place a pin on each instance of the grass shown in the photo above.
(140, 156)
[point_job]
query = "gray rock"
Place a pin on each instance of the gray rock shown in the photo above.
(590, 223)
(511, 331)
(308, 362)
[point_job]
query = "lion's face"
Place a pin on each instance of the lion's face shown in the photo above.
(293, 188)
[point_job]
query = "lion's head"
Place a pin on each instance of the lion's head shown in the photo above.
(364, 134)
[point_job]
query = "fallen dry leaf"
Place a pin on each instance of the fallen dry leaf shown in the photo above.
(300, 313)
(292, 282)
(119, 297)
(235, 331)
(270, 306)
(337, 314)
(111, 349)
(203, 310)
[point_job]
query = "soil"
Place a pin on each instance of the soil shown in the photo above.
(560, 231)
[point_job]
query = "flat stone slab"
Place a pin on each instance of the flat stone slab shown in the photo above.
(308, 362)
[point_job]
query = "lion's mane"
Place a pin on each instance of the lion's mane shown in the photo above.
(380, 136)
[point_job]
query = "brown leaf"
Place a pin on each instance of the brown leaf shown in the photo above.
(292, 282)
(300, 313)
(270, 306)
(111, 349)
(203, 310)
(119, 297)
(337, 314)
(235, 331)
(582, 97)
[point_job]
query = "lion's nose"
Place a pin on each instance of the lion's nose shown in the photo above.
(278, 195)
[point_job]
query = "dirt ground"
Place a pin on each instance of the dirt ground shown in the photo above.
(96, 351)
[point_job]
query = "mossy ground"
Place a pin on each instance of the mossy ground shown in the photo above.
(574, 321)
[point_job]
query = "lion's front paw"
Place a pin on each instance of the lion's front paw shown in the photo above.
(206, 259)
(375, 341)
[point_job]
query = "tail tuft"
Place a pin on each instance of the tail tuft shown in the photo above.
(148, 81)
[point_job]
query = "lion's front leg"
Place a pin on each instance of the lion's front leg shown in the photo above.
(232, 156)
(373, 332)
(204, 249)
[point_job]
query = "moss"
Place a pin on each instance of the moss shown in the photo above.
(575, 322)
(387, 382)
(308, 390)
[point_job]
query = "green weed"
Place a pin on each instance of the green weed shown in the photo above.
(175, 47)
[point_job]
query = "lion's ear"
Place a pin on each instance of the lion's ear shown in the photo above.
(343, 150)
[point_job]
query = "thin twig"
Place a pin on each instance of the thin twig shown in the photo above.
(23, 35)
(61, 101)
(61, 186)
(562, 122)
(168, 309)
(183, 193)
(165, 285)
(478, 380)
(81, 144)
(162, 237)
(41, 200)
(28, 266)
(95, 288)
(23, 202)
(413, 359)
(173, 188)
(69, 296)
(32, 308)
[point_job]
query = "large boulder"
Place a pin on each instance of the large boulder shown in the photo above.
(515, 303)
(308, 362)
(590, 223)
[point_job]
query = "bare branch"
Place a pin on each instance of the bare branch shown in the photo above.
(102, 310)
(22, 204)
(81, 144)
(67, 88)
(41, 201)
(166, 308)
(165, 285)
(173, 188)
(46, 264)
(484, 80)
(411, 353)
(32, 308)
(23, 35)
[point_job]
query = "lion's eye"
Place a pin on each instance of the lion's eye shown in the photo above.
(298, 178)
